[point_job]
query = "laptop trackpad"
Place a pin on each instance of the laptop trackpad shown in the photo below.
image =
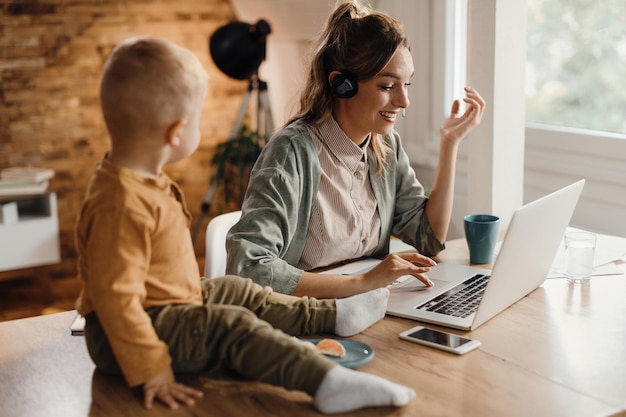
(409, 283)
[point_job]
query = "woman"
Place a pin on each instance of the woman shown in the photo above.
(335, 183)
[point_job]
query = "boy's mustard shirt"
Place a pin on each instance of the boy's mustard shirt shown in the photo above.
(134, 252)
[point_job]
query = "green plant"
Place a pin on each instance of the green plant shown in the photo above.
(233, 160)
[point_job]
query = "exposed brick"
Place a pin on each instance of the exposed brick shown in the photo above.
(51, 57)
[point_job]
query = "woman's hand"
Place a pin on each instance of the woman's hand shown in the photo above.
(396, 265)
(454, 129)
(165, 388)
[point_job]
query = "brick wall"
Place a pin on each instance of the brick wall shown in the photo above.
(51, 56)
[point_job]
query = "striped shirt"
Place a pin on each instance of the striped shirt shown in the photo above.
(345, 223)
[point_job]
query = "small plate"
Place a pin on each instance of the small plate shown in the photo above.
(357, 353)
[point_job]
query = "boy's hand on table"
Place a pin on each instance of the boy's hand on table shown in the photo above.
(165, 388)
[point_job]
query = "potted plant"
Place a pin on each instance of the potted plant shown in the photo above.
(233, 161)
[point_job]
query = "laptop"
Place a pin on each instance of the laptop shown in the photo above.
(526, 255)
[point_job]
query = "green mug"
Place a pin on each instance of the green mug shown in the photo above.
(481, 234)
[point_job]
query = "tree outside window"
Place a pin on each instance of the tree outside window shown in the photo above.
(576, 65)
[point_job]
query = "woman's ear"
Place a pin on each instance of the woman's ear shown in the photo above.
(172, 136)
(344, 84)
(332, 76)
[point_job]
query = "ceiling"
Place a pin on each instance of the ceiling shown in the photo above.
(288, 19)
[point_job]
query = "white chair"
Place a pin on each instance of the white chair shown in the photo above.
(215, 253)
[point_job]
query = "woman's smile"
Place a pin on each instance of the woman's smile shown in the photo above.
(389, 116)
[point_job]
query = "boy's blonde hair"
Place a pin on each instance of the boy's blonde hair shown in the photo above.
(147, 84)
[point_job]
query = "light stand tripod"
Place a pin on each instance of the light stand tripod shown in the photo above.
(264, 127)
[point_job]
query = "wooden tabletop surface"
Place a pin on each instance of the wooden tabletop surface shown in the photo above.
(560, 351)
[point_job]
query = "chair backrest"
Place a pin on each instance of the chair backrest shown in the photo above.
(215, 253)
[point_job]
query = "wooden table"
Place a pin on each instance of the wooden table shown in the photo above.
(560, 351)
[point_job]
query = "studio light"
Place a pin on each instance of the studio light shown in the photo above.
(238, 48)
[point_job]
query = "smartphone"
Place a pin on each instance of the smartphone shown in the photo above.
(440, 340)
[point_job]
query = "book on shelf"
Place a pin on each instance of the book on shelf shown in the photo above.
(24, 180)
(26, 174)
(11, 188)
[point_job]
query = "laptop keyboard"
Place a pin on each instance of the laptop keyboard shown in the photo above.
(460, 301)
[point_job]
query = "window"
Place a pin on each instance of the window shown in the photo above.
(562, 144)
(575, 106)
(575, 67)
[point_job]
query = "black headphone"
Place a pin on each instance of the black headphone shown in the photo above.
(344, 84)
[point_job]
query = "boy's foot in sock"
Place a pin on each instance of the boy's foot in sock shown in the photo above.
(343, 390)
(357, 313)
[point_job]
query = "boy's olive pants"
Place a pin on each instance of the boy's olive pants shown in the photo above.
(241, 326)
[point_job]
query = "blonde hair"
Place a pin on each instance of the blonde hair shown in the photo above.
(148, 83)
(357, 39)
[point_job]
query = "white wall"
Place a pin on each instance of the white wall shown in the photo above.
(557, 157)
(294, 24)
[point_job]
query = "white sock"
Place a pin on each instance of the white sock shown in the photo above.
(343, 390)
(357, 313)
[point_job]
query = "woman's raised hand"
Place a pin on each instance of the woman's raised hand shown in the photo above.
(455, 128)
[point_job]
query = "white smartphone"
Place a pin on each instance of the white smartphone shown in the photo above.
(440, 340)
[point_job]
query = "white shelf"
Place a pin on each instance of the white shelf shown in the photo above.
(34, 239)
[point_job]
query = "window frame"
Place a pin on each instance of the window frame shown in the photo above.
(554, 155)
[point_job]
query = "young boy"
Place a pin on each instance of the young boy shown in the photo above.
(148, 312)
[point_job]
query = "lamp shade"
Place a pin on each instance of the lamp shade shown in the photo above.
(238, 48)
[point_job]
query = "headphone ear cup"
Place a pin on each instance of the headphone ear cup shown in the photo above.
(345, 85)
